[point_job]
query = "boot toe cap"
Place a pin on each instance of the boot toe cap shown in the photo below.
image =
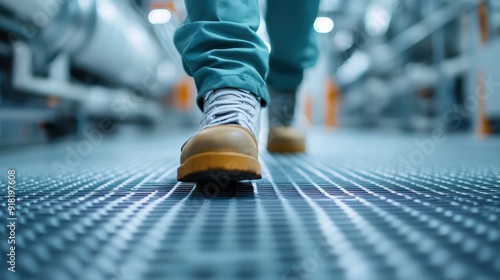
(224, 139)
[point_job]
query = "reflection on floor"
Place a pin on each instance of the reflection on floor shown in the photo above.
(356, 206)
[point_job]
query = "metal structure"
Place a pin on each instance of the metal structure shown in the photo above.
(408, 63)
(346, 210)
(98, 58)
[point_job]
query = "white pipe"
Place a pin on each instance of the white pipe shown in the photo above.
(34, 11)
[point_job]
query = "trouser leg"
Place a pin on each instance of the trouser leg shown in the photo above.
(220, 47)
(293, 41)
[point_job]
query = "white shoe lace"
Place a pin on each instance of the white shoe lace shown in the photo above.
(231, 106)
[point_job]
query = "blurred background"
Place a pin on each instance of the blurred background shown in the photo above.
(402, 65)
(406, 187)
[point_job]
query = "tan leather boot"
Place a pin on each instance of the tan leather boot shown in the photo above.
(225, 147)
(220, 153)
(283, 137)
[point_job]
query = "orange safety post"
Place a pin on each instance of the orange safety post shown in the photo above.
(183, 99)
(483, 128)
(482, 11)
(308, 108)
(165, 4)
(331, 103)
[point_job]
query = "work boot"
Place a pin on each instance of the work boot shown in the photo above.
(225, 146)
(283, 137)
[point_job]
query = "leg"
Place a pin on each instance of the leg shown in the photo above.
(221, 50)
(293, 41)
(220, 47)
(293, 48)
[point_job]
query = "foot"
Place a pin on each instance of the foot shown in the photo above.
(283, 137)
(225, 146)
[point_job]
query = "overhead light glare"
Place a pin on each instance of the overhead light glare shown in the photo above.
(159, 16)
(323, 25)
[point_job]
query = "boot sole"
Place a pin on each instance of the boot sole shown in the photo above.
(286, 148)
(219, 167)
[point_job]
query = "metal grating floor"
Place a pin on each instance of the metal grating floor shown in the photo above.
(349, 209)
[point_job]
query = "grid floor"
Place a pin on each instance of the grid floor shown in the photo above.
(356, 206)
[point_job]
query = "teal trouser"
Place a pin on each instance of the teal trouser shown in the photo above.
(220, 48)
